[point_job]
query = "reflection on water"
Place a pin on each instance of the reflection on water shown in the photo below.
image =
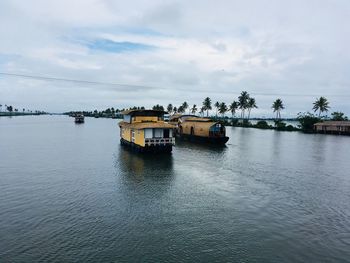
(210, 147)
(71, 193)
(137, 166)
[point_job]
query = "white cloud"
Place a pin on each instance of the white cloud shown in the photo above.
(203, 48)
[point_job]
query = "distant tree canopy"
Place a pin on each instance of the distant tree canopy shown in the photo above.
(307, 121)
(338, 116)
(158, 107)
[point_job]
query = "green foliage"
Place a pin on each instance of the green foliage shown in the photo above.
(280, 126)
(158, 107)
(194, 109)
(233, 108)
(222, 108)
(234, 122)
(262, 125)
(338, 116)
(277, 107)
(307, 121)
(207, 105)
(170, 108)
(321, 105)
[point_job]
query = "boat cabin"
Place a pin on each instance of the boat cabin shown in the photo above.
(146, 130)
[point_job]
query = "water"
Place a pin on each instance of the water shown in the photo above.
(71, 193)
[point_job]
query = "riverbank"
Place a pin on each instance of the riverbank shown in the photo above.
(12, 114)
(265, 124)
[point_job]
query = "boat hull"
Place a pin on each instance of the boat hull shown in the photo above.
(161, 148)
(200, 139)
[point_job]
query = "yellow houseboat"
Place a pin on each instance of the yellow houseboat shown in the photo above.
(146, 131)
(199, 129)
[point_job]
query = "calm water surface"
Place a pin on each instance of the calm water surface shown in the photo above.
(71, 193)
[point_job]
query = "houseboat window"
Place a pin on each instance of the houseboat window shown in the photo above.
(157, 133)
(127, 118)
(132, 135)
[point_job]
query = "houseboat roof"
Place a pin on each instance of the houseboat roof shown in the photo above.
(333, 123)
(144, 112)
(198, 119)
(146, 125)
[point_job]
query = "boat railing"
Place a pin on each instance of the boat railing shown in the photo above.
(159, 141)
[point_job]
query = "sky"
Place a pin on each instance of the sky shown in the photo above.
(142, 53)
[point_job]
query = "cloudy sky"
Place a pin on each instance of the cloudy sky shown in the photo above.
(174, 51)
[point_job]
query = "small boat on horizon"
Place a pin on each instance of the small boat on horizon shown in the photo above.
(79, 118)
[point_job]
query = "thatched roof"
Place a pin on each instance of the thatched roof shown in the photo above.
(144, 112)
(145, 125)
(333, 123)
(198, 119)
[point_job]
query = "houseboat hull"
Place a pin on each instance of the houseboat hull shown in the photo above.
(79, 121)
(159, 148)
(201, 139)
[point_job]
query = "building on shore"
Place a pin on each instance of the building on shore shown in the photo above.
(146, 131)
(333, 127)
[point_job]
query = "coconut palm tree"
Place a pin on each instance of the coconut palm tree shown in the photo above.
(222, 109)
(233, 107)
(217, 106)
(180, 109)
(277, 107)
(243, 101)
(321, 105)
(170, 108)
(184, 106)
(251, 103)
(194, 109)
(207, 105)
(201, 112)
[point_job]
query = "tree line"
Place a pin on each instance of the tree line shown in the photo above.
(11, 109)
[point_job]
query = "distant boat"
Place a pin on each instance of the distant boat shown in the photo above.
(79, 118)
(197, 129)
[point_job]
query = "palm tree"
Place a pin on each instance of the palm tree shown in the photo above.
(194, 109)
(207, 105)
(184, 106)
(175, 110)
(180, 109)
(222, 109)
(201, 112)
(158, 107)
(321, 105)
(243, 100)
(250, 105)
(277, 107)
(233, 107)
(217, 106)
(170, 108)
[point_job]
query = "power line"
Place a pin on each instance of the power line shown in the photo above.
(75, 80)
(150, 87)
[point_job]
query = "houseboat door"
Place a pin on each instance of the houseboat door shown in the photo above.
(166, 133)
